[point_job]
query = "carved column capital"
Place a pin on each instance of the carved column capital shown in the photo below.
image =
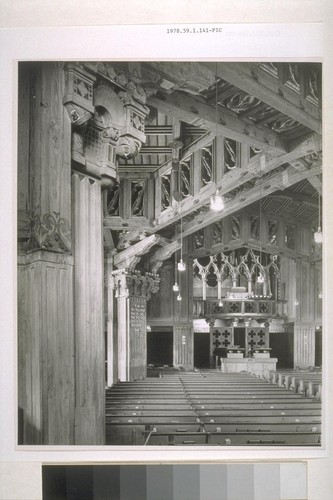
(134, 284)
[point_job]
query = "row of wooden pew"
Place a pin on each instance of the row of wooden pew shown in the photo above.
(210, 408)
(309, 384)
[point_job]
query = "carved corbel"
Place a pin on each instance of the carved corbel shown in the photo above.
(130, 257)
(78, 98)
(78, 101)
(132, 135)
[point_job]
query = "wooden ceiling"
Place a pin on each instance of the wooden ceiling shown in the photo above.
(273, 109)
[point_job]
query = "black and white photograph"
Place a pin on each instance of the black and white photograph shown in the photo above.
(169, 253)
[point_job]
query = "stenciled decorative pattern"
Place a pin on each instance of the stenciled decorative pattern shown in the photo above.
(230, 154)
(206, 165)
(137, 198)
(50, 232)
(113, 200)
(165, 191)
(185, 177)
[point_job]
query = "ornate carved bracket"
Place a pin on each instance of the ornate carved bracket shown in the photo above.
(134, 284)
(130, 257)
(78, 98)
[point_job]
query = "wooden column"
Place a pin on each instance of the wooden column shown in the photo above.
(45, 287)
(88, 302)
(111, 324)
(46, 348)
(132, 290)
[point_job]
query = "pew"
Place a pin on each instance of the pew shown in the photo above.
(212, 408)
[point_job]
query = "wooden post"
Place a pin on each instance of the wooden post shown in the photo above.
(132, 291)
(46, 388)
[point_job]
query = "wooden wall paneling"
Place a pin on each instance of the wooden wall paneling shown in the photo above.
(288, 283)
(160, 305)
(318, 290)
(306, 292)
(304, 345)
(183, 346)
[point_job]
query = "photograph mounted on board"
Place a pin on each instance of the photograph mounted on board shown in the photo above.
(170, 254)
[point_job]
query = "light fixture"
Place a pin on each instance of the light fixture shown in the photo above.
(260, 277)
(179, 297)
(318, 235)
(175, 287)
(220, 303)
(148, 328)
(181, 264)
(216, 202)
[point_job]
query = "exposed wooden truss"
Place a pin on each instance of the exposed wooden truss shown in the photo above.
(267, 108)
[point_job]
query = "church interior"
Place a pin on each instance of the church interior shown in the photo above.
(170, 230)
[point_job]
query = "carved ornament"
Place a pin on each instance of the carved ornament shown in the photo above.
(49, 232)
(127, 283)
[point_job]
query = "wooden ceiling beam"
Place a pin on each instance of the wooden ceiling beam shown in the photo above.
(196, 112)
(280, 180)
(295, 196)
(158, 130)
(241, 77)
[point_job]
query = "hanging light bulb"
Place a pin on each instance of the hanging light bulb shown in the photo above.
(318, 235)
(175, 287)
(179, 297)
(181, 265)
(216, 202)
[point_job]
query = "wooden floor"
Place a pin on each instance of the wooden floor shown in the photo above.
(210, 408)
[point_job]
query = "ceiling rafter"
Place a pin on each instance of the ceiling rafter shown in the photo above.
(189, 109)
(242, 78)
